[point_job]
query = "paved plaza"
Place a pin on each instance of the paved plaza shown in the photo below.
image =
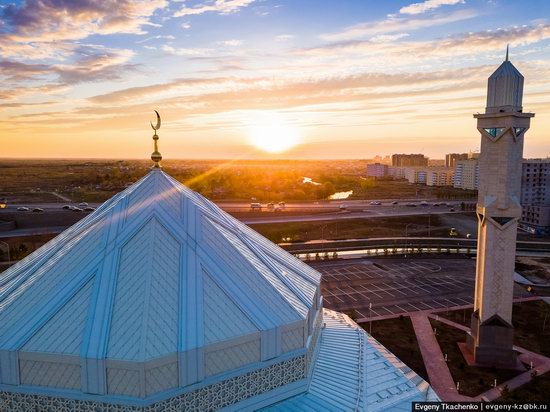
(398, 285)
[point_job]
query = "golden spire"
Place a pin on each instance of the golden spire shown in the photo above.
(156, 156)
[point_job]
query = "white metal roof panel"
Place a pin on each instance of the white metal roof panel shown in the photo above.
(352, 371)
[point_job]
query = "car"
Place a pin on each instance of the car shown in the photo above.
(451, 210)
(468, 235)
(375, 203)
(411, 205)
(89, 209)
(77, 209)
(424, 203)
(83, 204)
(343, 207)
(271, 206)
(38, 210)
(255, 205)
(395, 202)
(282, 205)
(435, 204)
(67, 207)
(23, 209)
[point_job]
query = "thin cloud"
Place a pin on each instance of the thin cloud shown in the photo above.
(396, 24)
(160, 36)
(428, 5)
(218, 6)
(284, 37)
(469, 44)
(182, 51)
(231, 43)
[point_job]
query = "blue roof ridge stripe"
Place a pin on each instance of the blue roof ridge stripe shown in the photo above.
(145, 317)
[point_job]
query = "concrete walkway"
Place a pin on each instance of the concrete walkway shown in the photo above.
(440, 376)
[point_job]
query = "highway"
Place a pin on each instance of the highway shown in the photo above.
(354, 205)
(264, 217)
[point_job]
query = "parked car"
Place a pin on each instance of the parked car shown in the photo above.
(270, 206)
(23, 209)
(451, 210)
(375, 203)
(281, 205)
(67, 207)
(77, 209)
(424, 203)
(395, 202)
(83, 204)
(255, 205)
(38, 210)
(411, 205)
(89, 209)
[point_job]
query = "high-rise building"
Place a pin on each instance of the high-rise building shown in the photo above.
(409, 160)
(377, 170)
(466, 174)
(451, 158)
(502, 128)
(535, 195)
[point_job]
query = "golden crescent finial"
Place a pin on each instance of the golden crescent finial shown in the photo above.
(156, 156)
(155, 128)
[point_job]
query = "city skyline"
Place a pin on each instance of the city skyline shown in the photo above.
(231, 77)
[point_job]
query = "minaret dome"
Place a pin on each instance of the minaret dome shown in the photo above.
(505, 89)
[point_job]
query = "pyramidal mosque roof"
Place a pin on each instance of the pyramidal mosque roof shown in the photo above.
(159, 300)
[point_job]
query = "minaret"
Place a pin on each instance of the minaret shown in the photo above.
(502, 127)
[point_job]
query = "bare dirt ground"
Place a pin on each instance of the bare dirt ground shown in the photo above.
(537, 270)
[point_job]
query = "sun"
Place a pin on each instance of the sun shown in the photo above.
(272, 133)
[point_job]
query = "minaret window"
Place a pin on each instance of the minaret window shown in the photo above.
(518, 131)
(494, 131)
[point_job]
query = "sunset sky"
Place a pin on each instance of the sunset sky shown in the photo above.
(245, 78)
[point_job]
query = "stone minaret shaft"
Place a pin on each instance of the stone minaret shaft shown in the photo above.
(502, 127)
